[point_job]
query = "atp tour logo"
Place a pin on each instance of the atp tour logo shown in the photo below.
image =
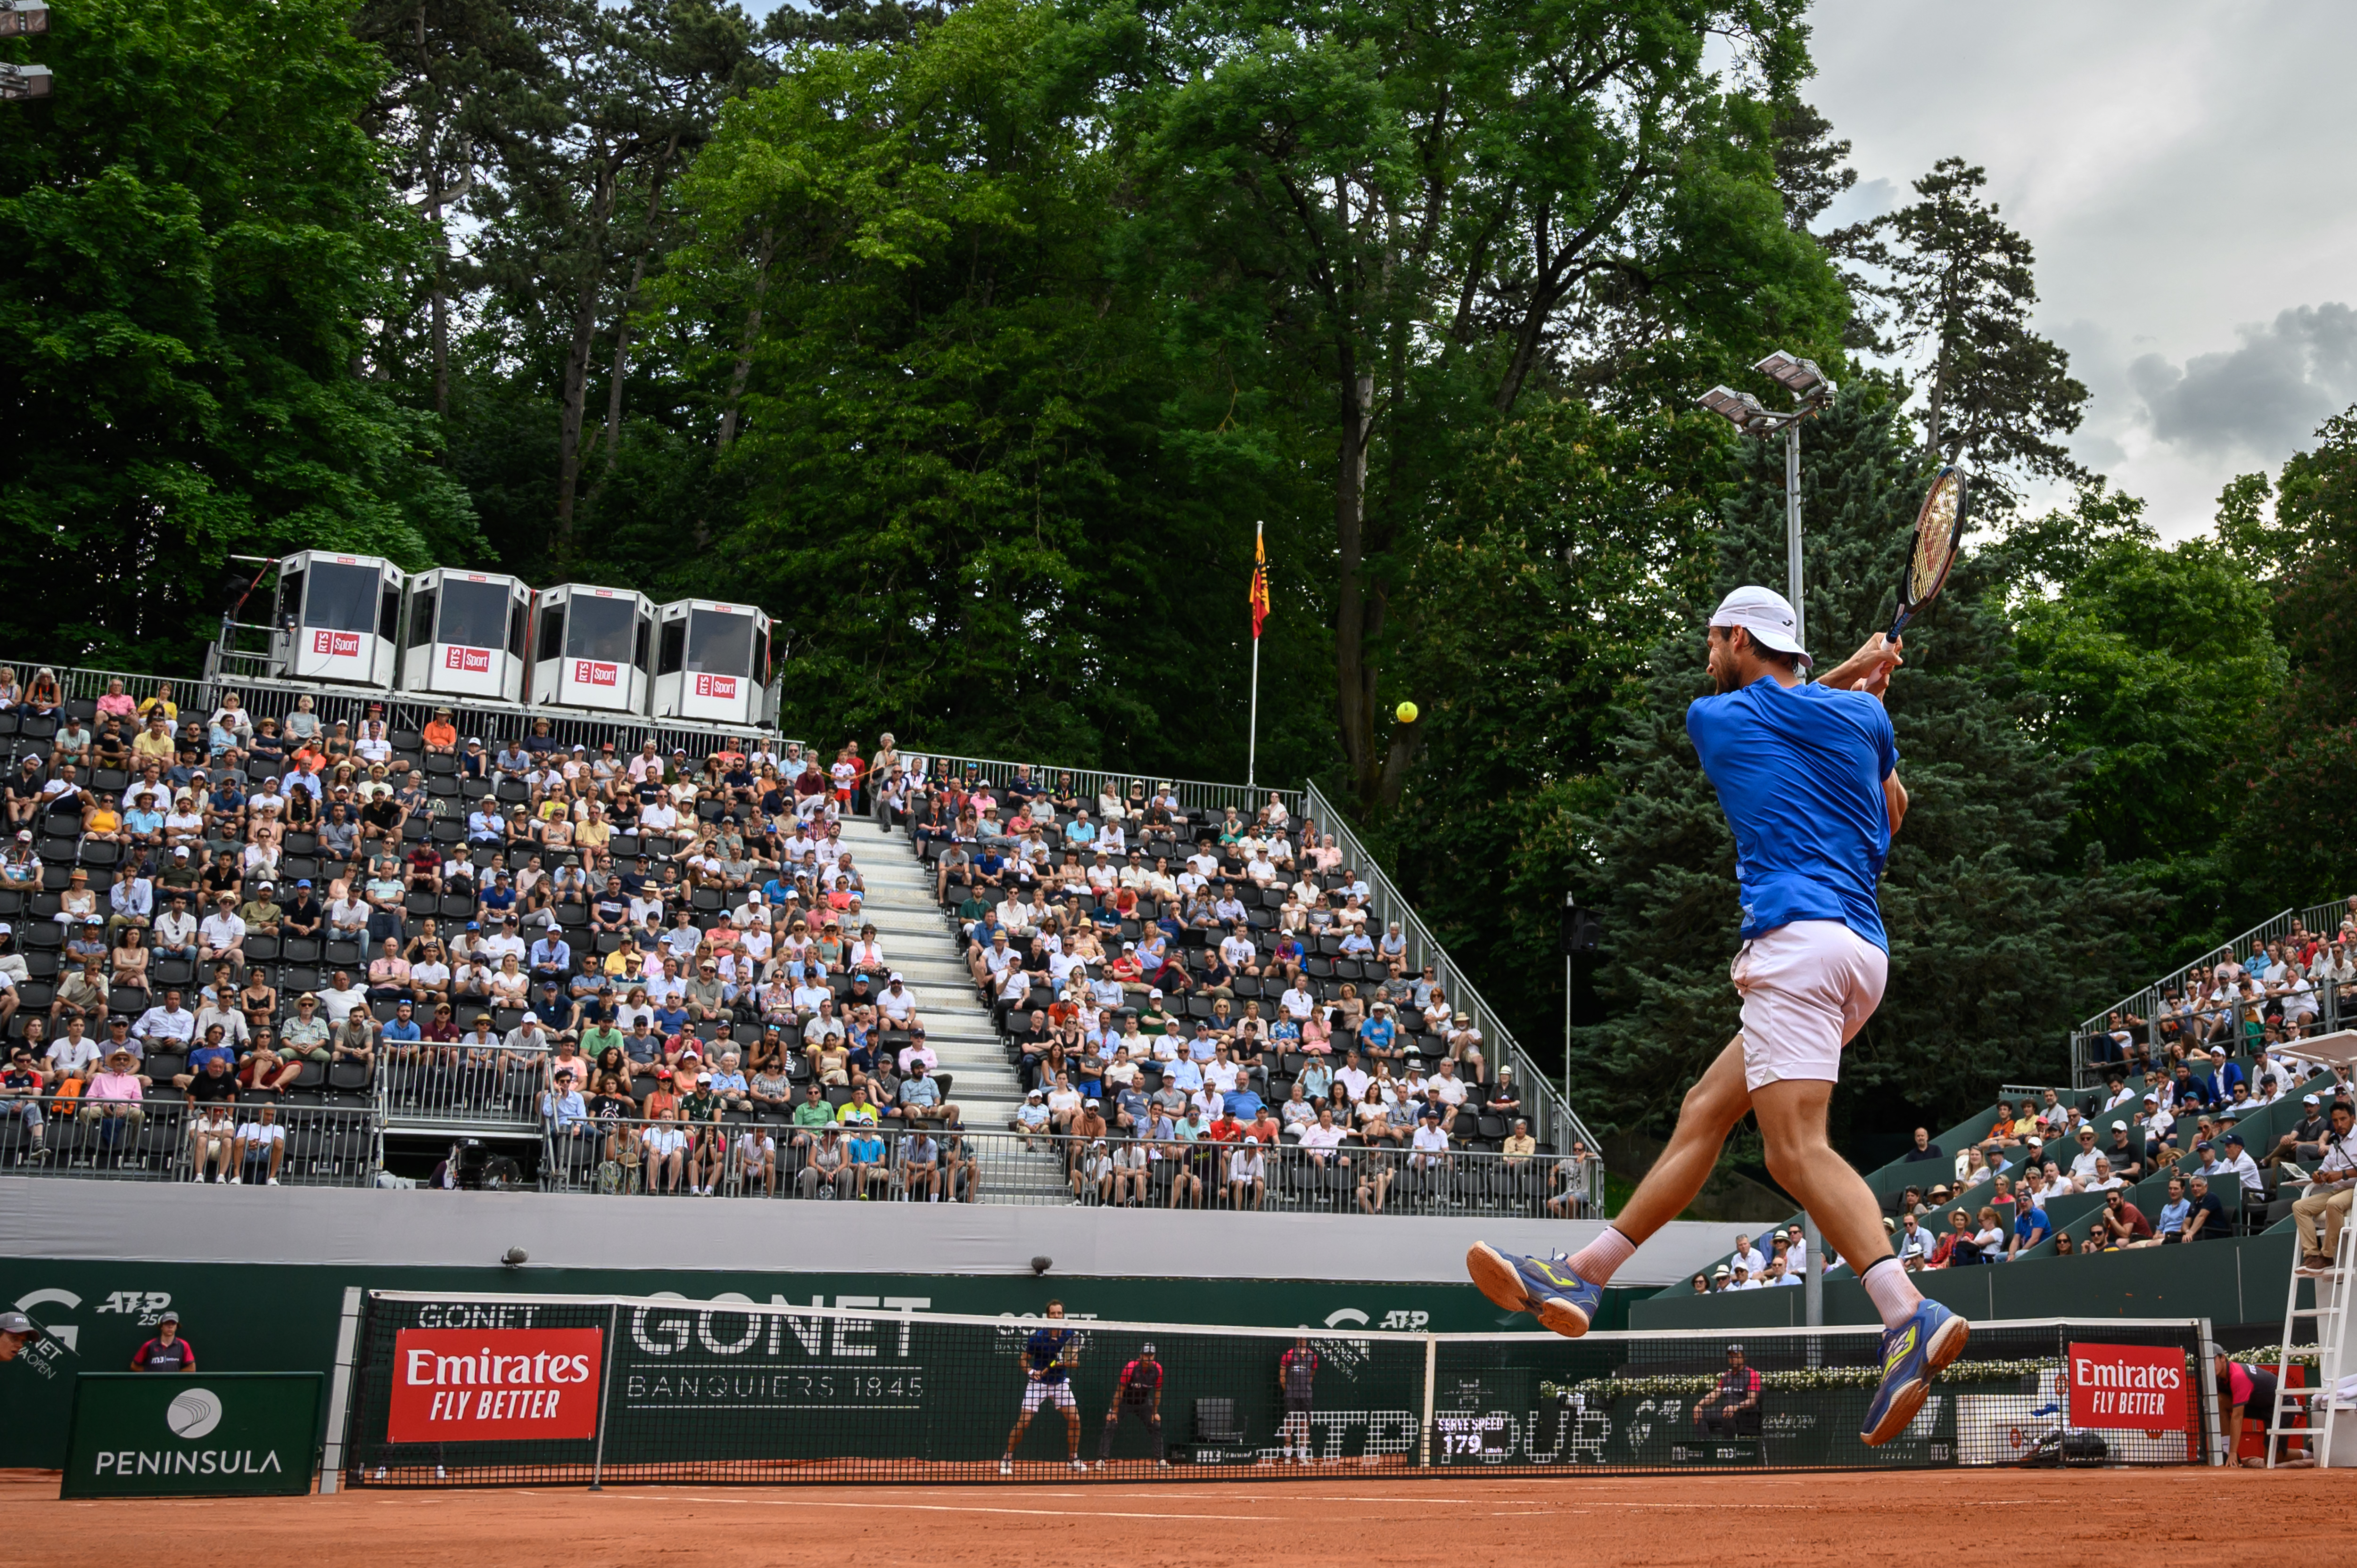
(336, 644)
(721, 686)
(470, 661)
(461, 1385)
(592, 673)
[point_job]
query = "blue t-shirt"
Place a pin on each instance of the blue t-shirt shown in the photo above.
(1045, 1351)
(2031, 1221)
(1799, 772)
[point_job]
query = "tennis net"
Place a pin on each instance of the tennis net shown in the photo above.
(482, 1390)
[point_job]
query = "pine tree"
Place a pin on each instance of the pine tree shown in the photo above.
(1996, 394)
(1995, 947)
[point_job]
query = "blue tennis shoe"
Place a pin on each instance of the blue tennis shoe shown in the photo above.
(1543, 1286)
(1912, 1354)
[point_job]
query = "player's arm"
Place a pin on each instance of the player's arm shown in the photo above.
(1894, 797)
(1868, 670)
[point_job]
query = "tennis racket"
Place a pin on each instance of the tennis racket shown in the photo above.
(1938, 528)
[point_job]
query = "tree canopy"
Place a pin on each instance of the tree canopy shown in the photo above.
(975, 341)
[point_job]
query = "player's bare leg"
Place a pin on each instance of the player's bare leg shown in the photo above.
(1804, 1163)
(1565, 1291)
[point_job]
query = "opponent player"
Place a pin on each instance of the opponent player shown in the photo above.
(1047, 1358)
(1297, 1380)
(1807, 773)
(1138, 1395)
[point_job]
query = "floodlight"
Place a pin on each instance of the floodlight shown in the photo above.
(23, 18)
(1738, 408)
(1798, 376)
(24, 80)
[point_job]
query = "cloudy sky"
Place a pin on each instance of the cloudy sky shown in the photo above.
(2188, 173)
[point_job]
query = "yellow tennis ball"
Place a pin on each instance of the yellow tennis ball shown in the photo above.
(1407, 713)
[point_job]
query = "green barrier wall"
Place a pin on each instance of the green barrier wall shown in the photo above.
(283, 1318)
(2238, 1280)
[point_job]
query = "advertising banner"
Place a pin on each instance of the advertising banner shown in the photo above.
(147, 1435)
(456, 1385)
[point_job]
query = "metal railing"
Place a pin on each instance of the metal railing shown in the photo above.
(446, 1085)
(1548, 1110)
(766, 1158)
(1195, 794)
(2148, 1004)
(161, 1140)
(403, 711)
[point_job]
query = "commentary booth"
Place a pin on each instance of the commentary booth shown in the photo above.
(467, 632)
(339, 617)
(712, 663)
(592, 648)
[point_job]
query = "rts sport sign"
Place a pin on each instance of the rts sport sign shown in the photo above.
(468, 661)
(336, 644)
(2134, 1388)
(597, 672)
(462, 1385)
(721, 686)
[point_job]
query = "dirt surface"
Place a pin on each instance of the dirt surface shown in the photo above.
(1843, 1519)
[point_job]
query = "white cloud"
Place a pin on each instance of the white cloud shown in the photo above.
(2181, 167)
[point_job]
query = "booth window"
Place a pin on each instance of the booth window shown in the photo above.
(719, 644)
(342, 599)
(673, 648)
(474, 615)
(602, 629)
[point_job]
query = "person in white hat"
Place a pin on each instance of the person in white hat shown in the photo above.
(1808, 776)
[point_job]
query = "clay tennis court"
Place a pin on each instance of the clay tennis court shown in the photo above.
(1955, 1518)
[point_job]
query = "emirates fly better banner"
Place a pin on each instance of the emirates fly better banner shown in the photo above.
(2132, 1388)
(463, 1385)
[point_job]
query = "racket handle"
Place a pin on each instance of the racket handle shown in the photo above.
(1899, 623)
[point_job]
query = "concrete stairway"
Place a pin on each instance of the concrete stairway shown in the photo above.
(917, 941)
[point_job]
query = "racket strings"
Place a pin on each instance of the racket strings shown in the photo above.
(1936, 543)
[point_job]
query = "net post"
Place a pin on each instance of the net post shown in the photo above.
(2208, 1400)
(1424, 1431)
(340, 1391)
(605, 1396)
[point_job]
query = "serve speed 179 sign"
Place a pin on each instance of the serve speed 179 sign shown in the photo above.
(468, 1385)
(2129, 1387)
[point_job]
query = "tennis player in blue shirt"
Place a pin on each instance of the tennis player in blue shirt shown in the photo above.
(1807, 773)
(1048, 1357)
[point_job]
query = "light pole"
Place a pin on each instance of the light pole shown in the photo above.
(1741, 409)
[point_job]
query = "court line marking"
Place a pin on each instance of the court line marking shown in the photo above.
(972, 1508)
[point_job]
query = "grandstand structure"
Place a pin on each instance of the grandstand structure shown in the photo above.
(2150, 1015)
(402, 1106)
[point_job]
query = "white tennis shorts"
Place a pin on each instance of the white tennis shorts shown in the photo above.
(1806, 988)
(1036, 1394)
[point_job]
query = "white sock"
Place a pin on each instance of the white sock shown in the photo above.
(1894, 1295)
(1596, 1262)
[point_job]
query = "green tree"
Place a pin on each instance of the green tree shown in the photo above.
(1572, 537)
(580, 209)
(197, 228)
(2292, 845)
(2152, 661)
(460, 70)
(970, 471)
(1996, 394)
(1995, 940)
(1396, 221)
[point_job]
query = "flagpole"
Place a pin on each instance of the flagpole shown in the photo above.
(1251, 742)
